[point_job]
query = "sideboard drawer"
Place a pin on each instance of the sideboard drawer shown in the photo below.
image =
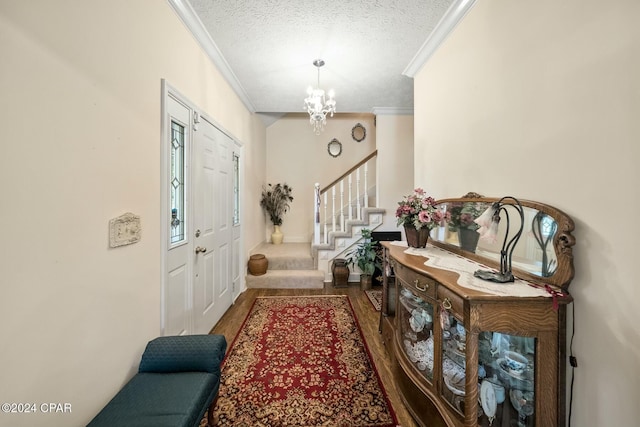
(416, 281)
(457, 303)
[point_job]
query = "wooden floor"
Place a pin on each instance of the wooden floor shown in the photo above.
(368, 319)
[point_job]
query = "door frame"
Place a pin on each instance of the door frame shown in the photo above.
(238, 255)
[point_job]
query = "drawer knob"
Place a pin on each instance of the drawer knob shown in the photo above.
(416, 283)
(446, 304)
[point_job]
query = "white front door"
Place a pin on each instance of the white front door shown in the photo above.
(197, 220)
(213, 213)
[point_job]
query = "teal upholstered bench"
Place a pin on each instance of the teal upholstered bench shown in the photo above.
(177, 381)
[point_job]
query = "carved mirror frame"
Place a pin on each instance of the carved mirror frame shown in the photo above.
(358, 132)
(561, 241)
(334, 147)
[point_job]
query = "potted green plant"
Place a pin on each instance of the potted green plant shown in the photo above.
(366, 258)
(275, 202)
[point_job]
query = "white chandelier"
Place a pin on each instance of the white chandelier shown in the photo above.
(317, 105)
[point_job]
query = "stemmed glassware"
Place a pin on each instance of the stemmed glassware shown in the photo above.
(523, 402)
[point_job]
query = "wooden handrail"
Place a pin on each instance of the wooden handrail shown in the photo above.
(347, 173)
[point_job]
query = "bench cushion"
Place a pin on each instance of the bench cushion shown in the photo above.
(187, 353)
(160, 399)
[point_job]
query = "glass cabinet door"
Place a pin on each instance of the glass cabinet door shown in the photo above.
(453, 360)
(506, 374)
(415, 318)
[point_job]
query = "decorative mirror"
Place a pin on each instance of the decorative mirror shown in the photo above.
(358, 133)
(334, 148)
(543, 252)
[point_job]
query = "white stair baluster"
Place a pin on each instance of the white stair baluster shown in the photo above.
(358, 204)
(326, 225)
(316, 214)
(342, 205)
(333, 208)
(350, 202)
(365, 190)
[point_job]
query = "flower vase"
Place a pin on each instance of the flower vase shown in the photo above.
(468, 238)
(276, 236)
(416, 238)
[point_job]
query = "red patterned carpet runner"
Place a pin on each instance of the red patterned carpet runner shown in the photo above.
(301, 361)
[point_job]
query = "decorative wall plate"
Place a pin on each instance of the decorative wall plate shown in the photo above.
(334, 148)
(124, 230)
(358, 133)
(488, 400)
(455, 385)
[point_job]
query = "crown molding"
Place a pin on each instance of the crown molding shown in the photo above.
(392, 111)
(455, 13)
(270, 118)
(188, 16)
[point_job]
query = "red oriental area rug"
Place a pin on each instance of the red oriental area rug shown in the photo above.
(301, 361)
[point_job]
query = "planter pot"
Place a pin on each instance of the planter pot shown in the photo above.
(258, 264)
(468, 239)
(365, 282)
(416, 238)
(276, 236)
(340, 272)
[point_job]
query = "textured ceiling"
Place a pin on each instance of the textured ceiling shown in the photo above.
(270, 45)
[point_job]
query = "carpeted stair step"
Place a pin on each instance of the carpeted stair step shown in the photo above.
(290, 263)
(287, 256)
(287, 279)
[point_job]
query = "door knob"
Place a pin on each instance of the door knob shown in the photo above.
(200, 249)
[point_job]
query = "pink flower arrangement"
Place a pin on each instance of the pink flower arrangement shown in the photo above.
(419, 210)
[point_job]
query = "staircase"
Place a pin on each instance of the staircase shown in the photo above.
(290, 266)
(342, 210)
(339, 242)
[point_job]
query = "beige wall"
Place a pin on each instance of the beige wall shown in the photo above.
(541, 100)
(80, 112)
(299, 157)
(296, 155)
(394, 136)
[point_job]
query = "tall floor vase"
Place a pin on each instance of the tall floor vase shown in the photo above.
(276, 236)
(416, 238)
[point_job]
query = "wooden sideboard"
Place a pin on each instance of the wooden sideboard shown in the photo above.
(469, 353)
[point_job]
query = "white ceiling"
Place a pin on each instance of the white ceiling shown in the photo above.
(265, 48)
